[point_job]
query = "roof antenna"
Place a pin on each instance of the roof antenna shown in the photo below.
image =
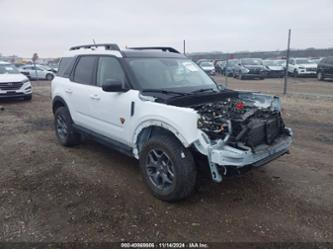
(94, 43)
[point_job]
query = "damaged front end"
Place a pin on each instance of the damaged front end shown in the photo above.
(241, 129)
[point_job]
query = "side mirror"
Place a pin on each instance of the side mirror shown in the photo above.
(113, 85)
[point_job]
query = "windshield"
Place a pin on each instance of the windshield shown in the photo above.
(316, 61)
(303, 61)
(44, 67)
(169, 73)
(206, 64)
(281, 62)
(252, 61)
(232, 62)
(272, 63)
(8, 69)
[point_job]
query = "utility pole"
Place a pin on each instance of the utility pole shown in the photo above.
(287, 64)
(225, 73)
(184, 47)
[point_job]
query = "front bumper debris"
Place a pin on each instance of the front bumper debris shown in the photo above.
(229, 156)
(223, 156)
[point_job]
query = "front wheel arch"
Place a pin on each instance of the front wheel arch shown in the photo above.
(147, 132)
(58, 102)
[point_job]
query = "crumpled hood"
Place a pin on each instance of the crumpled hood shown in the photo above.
(12, 77)
(251, 98)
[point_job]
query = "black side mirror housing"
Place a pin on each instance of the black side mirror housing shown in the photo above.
(113, 85)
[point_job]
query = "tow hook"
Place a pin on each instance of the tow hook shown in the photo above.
(216, 176)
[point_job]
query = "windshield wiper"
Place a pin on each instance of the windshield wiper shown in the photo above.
(204, 90)
(164, 91)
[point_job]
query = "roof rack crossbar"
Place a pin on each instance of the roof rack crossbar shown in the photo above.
(164, 49)
(107, 46)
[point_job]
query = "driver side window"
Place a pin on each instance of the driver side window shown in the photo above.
(109, 68)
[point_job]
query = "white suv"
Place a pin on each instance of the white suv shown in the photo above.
(37, 72)
(158, 106)
(302, 67)
(13, 84)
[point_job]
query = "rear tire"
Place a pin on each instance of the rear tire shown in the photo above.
(168, 168)
(65, 131)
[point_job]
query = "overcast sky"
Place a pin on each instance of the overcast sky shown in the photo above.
(50, 27)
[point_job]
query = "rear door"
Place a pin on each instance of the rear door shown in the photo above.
(81, 90)
(30, 70)
(41, 73)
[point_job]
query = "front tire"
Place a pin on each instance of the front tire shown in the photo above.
(64, 128)
(49, 77)
(240, 76)
(320, 76)
(168, 168)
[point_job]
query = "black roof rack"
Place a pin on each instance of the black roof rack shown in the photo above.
(164, 49)
(107, 46)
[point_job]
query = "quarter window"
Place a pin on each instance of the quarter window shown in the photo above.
(109, 68)
(84, 71)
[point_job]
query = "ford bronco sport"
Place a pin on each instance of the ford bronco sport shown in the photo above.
(158, 106)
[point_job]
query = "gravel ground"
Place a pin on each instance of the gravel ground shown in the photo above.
(91, 193)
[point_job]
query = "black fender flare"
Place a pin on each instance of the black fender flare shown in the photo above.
(58, 101)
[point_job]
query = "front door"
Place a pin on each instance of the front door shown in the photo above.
(111, 111)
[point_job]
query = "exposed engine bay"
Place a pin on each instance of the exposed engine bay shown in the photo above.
(241, 120)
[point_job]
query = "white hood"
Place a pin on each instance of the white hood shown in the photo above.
(275, 68)
(307, 65)
(12, 77)
(207, 68)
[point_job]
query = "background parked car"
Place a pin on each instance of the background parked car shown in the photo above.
(203, 60)
(37, 72)
(250, 68)
(49, 68)
(230, 67)
(208, 67)
(13, 84)
(219, 66)
(281, 62)
(325, 68)
(274, 68)
(316, 60)
(302, 67)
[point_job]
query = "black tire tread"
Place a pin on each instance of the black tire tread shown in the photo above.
(186, 166)
(74, 138)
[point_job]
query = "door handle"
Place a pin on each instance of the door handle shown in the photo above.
(69, 91)
(95, 97)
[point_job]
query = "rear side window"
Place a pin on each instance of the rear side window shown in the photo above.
(65, 67)
(85, 70)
